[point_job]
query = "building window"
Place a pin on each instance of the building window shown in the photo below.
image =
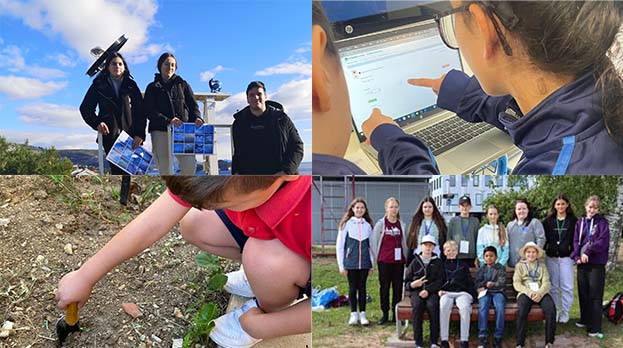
(488, 181)
(452, 181)
(500, 179)
(479, 199)
(464, 180)
(476, 180)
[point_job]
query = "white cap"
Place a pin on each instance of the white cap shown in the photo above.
(429, 239)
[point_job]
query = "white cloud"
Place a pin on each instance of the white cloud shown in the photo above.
(26, 88)
(47, 139)
(296, 98)
(51, 115)
(64, 60)
(300, 68)
(12, 58)
(92, 23)
(208, 74)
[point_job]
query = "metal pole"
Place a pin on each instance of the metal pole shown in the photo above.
(100, 153)
(170, 152)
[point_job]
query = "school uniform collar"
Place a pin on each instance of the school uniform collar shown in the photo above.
(284, 201)
(572, 110)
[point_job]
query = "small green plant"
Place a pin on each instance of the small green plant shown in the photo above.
(203, 320)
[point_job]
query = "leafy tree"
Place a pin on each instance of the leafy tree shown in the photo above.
(21, 160)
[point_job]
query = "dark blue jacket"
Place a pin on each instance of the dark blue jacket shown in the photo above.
(331, 165)
(564, 134)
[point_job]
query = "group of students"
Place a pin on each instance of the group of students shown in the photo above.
(438, 258)
(547, 80)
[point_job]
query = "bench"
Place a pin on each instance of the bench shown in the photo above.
(404, 310)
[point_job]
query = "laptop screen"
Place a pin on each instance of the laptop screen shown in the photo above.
(377, 66)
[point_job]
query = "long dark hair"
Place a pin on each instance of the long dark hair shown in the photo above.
(163, 57)
(416, 223)
(349, 212)
(530, 213)
(552, 209)
(106, 73)
(571, 38)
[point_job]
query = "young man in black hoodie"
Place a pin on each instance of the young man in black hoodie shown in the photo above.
(265, 139)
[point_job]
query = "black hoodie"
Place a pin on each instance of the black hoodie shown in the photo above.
(166, 100)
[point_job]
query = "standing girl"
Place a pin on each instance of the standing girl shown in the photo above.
(559, 227)
(169, 100)
(523, 229)
(389, 246)
(493, 234)
(355, 256)
(590, 252)
(427, 220)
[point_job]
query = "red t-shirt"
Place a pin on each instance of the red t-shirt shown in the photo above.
(285, 216)
(392, 239)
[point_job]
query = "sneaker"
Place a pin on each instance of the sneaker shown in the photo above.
(579, 324)
(482, 342)
(497, 343)
(519, 346)
(383, 319)
(564, 318)
(549, 345)
(596, 335)
(354, 318)
(445, 344)
(227, 331)
(238, 284)
(434, 346)
(363, 320)
(464, 344)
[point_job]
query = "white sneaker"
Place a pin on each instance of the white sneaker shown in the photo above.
(363, 320)
(564, 318)
(354, 318)
(596, 335)
(228, 333)
(579, 324)
(238, 284)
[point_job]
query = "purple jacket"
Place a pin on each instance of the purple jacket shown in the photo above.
(597, 244)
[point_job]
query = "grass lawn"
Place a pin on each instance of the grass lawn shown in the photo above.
(330, 327)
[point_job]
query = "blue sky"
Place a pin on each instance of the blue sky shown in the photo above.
(44, 54)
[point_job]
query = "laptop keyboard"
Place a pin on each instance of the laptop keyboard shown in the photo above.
(449, 133)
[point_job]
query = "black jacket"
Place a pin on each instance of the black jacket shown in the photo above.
(166, 100)
(118, 113)
(565, 247)
(497, 275)
(457, 277)
(433, 272)
(289, 142)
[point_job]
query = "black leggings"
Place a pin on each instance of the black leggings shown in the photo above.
(591, 280)
(357, 289)
(390, 274)
(430, 304)
(524, 303)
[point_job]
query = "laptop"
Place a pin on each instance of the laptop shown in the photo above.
(379, 52)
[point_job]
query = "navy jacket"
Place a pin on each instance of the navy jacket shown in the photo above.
(564, 134)
(331, 165)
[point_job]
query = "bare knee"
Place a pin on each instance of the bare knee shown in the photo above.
(190, 227)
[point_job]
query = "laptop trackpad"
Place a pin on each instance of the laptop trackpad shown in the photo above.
(472, 154)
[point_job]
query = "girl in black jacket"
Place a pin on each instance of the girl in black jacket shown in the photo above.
(119, 100)
(169, 100)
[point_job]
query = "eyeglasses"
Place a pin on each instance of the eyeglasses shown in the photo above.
(446, 24)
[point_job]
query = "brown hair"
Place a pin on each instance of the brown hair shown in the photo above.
(163, 57)
(416, 223)
(349, 212)
(105, 72)
(319, 18)
(552, 209)
(203, 192)
(501, 230)
(571, 38)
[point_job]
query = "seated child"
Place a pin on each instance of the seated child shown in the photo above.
(531, 281)
(263, 221)
(423, 280)
(490, 284)
(459, 288)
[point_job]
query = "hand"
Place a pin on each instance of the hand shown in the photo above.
(476, 262)
(441, 293)
(73, 288)
(489, 285)
(584, 258)
(344, 272)
(137, 142)
(423, 294)
(479, 290)
(536, 298)
(435, 84)
(103, 128)
(418, 282)
(198, 122)
(578, 261)
(370, 271)
(376, 119)
(176, 121)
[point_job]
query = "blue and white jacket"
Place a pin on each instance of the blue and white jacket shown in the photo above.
(352, 247)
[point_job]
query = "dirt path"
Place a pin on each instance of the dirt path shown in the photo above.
(44, 218)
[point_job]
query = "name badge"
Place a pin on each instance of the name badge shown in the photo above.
(482, 293)
(397, 254)
(464, 247)
(534, 286)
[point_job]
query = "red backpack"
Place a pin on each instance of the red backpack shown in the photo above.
(614, 309)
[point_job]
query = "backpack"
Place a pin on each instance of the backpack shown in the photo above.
(614, 309)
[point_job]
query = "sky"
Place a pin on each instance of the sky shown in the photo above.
(45, 53)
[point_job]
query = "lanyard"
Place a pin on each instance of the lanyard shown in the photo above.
(450, 274)
(422, 264)
(535, 274)
(585, 228)
(427, 227)
(560, 227)
(464, 229)
(524, 228)
(393, 231)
